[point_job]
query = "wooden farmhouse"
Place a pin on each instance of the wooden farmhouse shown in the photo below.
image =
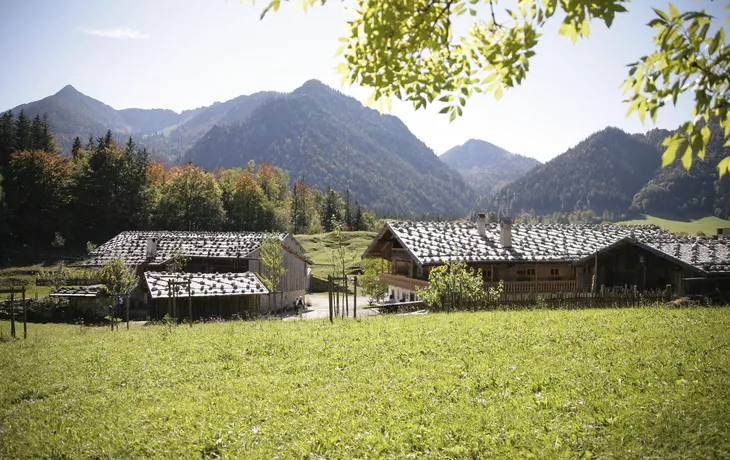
(223, 270)
(552, 258)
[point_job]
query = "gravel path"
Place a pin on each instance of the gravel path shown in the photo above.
(320, 308)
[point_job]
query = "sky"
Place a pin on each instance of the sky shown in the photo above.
(183, 54)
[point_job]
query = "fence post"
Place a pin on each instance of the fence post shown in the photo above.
(330, 287)
(668, 292)
(354, 299)
(25, 317)
(127, 312)
(12, 312)
(190, 300)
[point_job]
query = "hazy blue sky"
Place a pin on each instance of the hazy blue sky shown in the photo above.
(182, 54)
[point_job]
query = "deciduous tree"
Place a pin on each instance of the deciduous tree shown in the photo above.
(270, 254)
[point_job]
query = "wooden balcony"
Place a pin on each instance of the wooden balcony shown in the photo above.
(536, 286)
(411, 284)
(402, 282)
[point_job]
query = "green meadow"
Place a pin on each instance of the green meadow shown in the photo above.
(631, 383)
(706, 225)
(320, 248)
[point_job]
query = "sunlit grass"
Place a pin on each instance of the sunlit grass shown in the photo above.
(608, 383)
(707, 225)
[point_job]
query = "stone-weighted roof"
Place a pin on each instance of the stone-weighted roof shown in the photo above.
(88, 291)
(433, 243)
(706, 254)
(204, 284)
(131, 246)
(438, 242)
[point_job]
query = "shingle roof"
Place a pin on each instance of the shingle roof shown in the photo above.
(204, 284)
(439, 242)
(131, 246)
(432, 243)
(707, 254)
(76, 292)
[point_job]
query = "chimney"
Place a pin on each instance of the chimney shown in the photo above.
(505, 234)
(151, 251)
(481, 224)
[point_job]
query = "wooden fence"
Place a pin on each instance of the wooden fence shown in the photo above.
(607, 298)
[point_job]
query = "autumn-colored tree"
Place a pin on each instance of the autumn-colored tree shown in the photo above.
(274, 181)
(244, 201)
(37, 195)
(191, 200)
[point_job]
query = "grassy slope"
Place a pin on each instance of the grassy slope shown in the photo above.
(708, 225)
(319, 248)
(627, 383)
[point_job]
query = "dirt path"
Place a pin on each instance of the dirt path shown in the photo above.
(320, 308)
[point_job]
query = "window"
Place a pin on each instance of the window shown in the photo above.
(530, 272)
(487, 274)
(586, 269)
(554, 272)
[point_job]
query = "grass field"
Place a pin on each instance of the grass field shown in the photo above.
(319, 248)
(707, 225)
(632, 383)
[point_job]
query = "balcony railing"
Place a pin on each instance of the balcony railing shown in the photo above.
(411, 284)
(536, 286)
(402, 282)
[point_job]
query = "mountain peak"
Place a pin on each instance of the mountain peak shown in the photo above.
(68, 89)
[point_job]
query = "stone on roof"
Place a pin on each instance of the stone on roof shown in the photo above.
(434, 243)
(437, 242)
(89, 291)
(132, 246)
(204, 284)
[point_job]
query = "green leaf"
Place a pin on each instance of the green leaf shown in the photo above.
(674, 11)
(568, 30)
(670, 154)
(498, 93)
(724, 166)
(661, 14)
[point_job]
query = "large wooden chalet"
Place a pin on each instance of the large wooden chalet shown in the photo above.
(223, 269)
(551, 258)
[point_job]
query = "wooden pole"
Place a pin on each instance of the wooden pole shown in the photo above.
(329, 289)
(354, 299)
(190, 300)
(347, 299)
(127, 312)
(25, 317)
(12, 312)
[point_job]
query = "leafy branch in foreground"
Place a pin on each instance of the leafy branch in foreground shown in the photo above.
(409, 50)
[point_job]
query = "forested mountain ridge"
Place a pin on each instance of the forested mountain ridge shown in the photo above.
(699, 192)
(602, 173)
(612, 174)
(330, 139)
(72, 113)
(486, 167)
(165, 132)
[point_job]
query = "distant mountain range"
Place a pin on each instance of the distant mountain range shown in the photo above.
(486, 167)
(315, 132)
(613, 174)
(165, 132)
(330, 139)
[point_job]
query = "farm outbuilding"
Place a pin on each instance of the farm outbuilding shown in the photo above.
(224, 254)
(204, 295)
